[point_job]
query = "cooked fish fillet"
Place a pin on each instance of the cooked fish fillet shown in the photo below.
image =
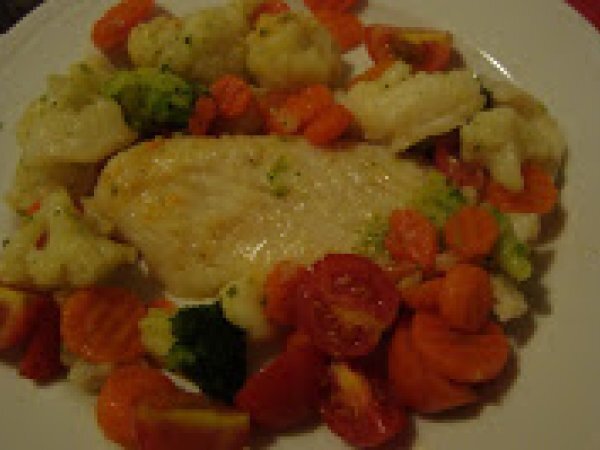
(206, 211)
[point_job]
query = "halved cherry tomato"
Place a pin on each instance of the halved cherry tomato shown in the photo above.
(467, 358)
(19, 312)
(471, 232)
(539, 194)
(412, 237)
(119, 397)
(285, 393)
(424, 296)
(360, 411)
(281, 292)
(447, 161)
(424, 49)
(346, 304)
(465, 300)
(331, 5)
(112, 29)
(269, 7)
(416, 384)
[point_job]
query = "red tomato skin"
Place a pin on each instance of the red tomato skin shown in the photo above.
(346, 304)
(285, 393)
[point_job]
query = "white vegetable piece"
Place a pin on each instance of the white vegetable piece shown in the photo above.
(73, 254)
(526, 226)
(510, 302)
(402, 110)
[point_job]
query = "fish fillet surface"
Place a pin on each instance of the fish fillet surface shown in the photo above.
(206, 211)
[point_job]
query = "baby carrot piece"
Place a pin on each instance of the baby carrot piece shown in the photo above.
(466, 358)
(329, 125)
(424, 296)
(471, 232)
(330, 5)
(465, 300)
(538, 196)
(346, 28)
(204, 114)
(100, 324)
(415, 384)
(232, 95)
(118, 399)
(307, 104)
(412, 237)
(269, 7)
(280, 292)
(112, 29)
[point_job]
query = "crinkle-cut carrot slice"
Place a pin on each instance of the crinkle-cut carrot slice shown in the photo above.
(471, 232)
(423, 296)
(233, 96)
(461, 357)
(416, 384)
(346, 28)
(465, 300)
(100, 324)
(329, 126)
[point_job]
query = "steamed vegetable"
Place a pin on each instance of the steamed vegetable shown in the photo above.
(437, 200)
(510, 253)
(153, 100)
(209, 350)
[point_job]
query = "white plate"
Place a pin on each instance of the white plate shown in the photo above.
(546, 48)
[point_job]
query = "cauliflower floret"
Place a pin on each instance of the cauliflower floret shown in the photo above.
(510, 302)
(242, 303)
(402, 110)
(72, 255)
(526, 226)
(518, 128)
(72, 122)
(156, 333)
(291, 50)
(201, 47)
(32, 183)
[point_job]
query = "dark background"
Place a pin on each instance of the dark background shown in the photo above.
(13, 10)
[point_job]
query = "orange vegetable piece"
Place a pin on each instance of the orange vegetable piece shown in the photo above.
(373, 73)
(415, 384)
(329, 125)
(269, 7)
(330, 5)
(424, 296)
(280, 292)
(307, 104)
(471, 232)
(33, 208)
(269, 105)
(346, 28)
(100, 324)
(232, 95)
(412, 237)
(125, 387)
(466, 358)
(111, 31)
(163, 303)
(539, 194)
(465, 300)
(204, 115)
(447, 160)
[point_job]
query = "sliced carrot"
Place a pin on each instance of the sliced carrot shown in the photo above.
(346, 28)
(471, 232)
(269, 7)
(232, 95)
(330, 5)
(280, 292)
(111, 31)
(100, 324)
(539, 194)
(467, 358)
(329, 125)
(424, 296)
(269, 105)
(204, 115)
(307, 104)
(465, 300)
(125, 387)
(373, 73)
(415, 384)
(412, 237)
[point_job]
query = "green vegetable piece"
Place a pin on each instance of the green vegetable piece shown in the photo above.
(437, 200)
(153, 100)
(209, 350)
(371, 241)
(276, 178)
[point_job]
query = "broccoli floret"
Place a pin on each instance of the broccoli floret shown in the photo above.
(510, 253)
(153, 100)
(437, 200)
(209, 350)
